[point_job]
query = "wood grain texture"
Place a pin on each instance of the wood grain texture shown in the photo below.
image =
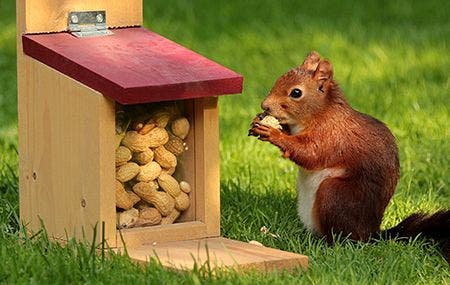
(66, 165)
(45, 16)
(65, 154)
(207, 167)
(219, 252)
(136, 237)
(133, 65)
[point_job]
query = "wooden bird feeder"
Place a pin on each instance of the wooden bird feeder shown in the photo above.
(79, 63)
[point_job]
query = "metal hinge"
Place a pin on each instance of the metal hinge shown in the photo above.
(88, 24)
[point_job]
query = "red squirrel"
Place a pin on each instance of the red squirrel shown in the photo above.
(348, 161)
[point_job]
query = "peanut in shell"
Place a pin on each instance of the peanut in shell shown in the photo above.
(123, 155)
(133, 197)
(145, 188)
(182, 202)
(135, 141)
(142, 205)
(147, 128)
(149, 172)
(123, 200)
(161, 200)
(127, 171)
(128, 218)
(164, 157)
(157, 137)
(169, 184)
(185, 187)
(161, 118)
(170, 218)
(180, 127)
(149, 217)
(143, 157)
(169, 171)
(175, 145)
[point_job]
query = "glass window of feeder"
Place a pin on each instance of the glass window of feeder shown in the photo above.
(154, 163)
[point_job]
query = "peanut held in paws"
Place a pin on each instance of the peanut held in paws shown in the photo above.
(265, 120)
(271, 121)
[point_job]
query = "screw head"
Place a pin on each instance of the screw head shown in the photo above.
(99, 18)
(74, 19)
(83, 203)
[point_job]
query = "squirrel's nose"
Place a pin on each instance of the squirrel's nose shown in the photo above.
(265, 106)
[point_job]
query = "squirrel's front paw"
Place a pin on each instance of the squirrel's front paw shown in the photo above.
(256, 121)
(266, 133)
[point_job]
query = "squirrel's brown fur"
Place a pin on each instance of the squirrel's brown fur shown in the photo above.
(326, 133)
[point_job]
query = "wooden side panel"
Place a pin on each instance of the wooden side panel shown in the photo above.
(219, 252)
(45, 16)
(207, 185)
(66, 150)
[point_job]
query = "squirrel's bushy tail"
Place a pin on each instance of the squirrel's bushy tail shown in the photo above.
(433, 226)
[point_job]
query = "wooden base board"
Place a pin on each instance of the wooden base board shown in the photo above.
(221, 252)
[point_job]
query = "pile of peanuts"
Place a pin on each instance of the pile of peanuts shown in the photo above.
(146, 158)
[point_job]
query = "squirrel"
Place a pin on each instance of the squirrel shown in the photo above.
(348, 161)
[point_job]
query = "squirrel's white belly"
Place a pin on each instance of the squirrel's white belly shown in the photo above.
(308, 183)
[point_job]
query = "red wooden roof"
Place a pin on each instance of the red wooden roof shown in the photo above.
(133, 65)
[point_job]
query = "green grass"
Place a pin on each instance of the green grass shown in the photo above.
(392, 60)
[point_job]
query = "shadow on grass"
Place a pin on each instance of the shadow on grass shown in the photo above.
(245, 210)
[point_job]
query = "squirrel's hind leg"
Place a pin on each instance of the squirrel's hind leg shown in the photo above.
(341, 209)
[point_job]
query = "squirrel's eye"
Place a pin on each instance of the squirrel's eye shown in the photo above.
(296, 93)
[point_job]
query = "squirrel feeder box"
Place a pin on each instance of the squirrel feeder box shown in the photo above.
(80, 64)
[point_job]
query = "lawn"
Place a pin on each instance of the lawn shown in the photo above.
(392, 60)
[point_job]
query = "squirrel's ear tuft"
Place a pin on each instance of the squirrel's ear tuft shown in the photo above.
(324, 71)
(311, 62)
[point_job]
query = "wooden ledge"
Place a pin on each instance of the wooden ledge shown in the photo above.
(218, 252)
